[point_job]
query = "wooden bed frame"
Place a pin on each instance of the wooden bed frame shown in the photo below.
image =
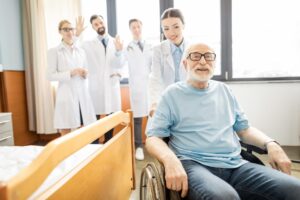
(109, 173)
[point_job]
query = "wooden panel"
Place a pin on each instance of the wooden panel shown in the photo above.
(108, 173)
(14, 101)
(105, 182)
(126, 106)
(2, 93)
(125, 97)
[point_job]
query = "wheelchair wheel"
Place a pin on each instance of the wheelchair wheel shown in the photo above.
(151, 186)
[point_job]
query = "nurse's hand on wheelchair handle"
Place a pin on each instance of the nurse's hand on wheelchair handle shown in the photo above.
(176, 177)
(278, 159)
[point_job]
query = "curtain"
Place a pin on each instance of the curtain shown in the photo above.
(39, 18)
(57, 10)
(39, 97)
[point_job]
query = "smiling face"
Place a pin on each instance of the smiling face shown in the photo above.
(136, 29)
(66, 31)
(99, 25)
(200, 64)
(172, 29)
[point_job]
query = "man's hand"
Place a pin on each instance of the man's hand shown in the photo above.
(118, 43)
(175, 175)
(278, 159)
(79, 25)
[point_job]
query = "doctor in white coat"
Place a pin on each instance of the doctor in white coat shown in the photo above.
(139, 57)
(167, 66)
(67, 65)
(105, 62)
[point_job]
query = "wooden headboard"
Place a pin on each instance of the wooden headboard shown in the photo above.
(108, 173)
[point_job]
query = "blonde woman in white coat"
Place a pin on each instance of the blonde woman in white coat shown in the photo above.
(67, 65)
(139, 55)
(167, 66)
(105, 66)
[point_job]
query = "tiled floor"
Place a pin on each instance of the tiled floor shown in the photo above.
(292, 152)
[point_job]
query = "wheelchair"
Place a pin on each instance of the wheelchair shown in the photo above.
(152, 181)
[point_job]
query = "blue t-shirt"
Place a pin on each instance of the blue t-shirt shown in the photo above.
(201, 124)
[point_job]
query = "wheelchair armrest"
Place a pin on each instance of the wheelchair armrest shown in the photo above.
(249, 148)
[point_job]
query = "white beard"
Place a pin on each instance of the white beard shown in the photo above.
(198, 78)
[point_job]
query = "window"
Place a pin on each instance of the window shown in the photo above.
(253, 40)
(89, 8)
(145, 10)
(266, 38)
(202, 24)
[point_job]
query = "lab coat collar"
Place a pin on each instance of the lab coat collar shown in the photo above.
(136, 41)
(174, 47)
(63, 45)
(106, 37)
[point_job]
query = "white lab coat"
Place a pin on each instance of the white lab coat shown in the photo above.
(139, 67)
(72, 92)
(104, 85)
(163, 70)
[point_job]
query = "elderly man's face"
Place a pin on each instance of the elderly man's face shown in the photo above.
(200, 63)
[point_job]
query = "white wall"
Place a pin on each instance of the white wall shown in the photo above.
(11, 47)
(273, 108)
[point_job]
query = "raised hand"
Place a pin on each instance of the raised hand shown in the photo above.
(118, 43)
(79, 25)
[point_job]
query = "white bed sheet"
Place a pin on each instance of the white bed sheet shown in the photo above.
(15, 158)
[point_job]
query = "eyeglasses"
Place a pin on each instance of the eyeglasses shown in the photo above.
(195, 56)
(67, 29)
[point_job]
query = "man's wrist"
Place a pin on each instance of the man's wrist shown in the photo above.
(268, 142)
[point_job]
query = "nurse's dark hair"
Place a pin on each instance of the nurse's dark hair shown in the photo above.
(172, 12)
(134, 20)
(95, 17)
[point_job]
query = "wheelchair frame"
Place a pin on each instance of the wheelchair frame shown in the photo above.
(152, 181)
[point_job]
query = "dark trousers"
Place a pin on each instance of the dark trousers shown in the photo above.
(108, 135)
(138, 131)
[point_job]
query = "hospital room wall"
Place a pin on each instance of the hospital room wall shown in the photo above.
(272, 107)
(11, 48)
(12, 79)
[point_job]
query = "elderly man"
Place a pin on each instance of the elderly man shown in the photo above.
(205, 122)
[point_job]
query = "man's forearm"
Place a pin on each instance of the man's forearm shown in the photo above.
(159, 149)
(254, 137)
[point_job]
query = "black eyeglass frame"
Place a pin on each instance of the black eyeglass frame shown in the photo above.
(67, 29)
(206, 56)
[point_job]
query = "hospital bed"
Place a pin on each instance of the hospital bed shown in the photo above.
(72, 168)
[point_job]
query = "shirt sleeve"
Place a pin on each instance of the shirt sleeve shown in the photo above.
(241, 120)
(161, 122)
